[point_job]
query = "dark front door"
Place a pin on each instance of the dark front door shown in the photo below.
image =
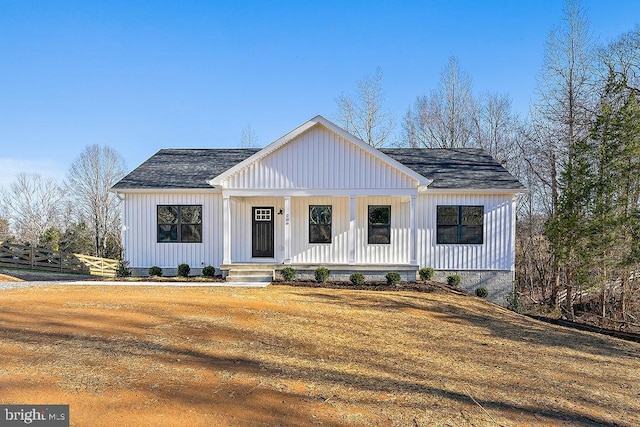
(262, 232)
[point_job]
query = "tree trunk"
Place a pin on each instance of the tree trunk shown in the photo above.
(603, 299)
(623, 297)
(570, 294)
(554, 212)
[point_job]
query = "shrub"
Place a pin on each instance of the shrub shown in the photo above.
(514, 303)
(453, 280)
(208, 271)
(123, 269)
(426, 273)
(393, 278)
(288, 273)
(357, 279)
(155, 271)
(184, 270)
(482, 292)
(322, 274)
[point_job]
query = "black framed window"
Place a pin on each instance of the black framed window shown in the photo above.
(460, 224)
(379, 230)
(179, 224)
(320, 224)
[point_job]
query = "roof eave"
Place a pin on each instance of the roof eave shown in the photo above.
(164, 190)
(512, 191)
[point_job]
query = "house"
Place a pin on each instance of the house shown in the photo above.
(318, 196)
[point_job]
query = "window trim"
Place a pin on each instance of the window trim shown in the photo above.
(459, 226)
(178, 224)
(330, 225)
(369, 225)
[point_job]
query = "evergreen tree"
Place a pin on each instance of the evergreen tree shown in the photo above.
(568, 231)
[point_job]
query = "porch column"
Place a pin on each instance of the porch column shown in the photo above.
(352, 230)
(287, 230)
(412, 231)
(226, 230)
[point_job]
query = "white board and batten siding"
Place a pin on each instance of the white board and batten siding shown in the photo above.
(498, 248)
(303, 252)
(398, 250)
(337, 252)
(141, 235)
(496, 253)
(320, 159)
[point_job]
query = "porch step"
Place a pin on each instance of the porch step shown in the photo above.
(249, 275)
(249, 279)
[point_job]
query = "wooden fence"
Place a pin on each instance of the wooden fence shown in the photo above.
(19, 256)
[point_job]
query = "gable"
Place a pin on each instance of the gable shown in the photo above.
(320, 158)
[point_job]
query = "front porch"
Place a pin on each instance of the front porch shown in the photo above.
(283, 230)
(268, 272)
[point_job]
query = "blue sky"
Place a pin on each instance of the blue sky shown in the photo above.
(143, 75)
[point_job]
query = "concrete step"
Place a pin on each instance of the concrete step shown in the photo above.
(248, 272)
(249, 279)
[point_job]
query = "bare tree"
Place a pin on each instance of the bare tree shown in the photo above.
(89, 179)
(494, 126)
(561, 115)
(444, 118)
(32, 204)
(4, 230)
(249, 137)
(565, 104)
(622, 59)
(363, 114)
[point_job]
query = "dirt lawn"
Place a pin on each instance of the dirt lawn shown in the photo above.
(150, 356)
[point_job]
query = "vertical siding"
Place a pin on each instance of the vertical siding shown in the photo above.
(398, 251)
(140, 234)
(336, 252)
(304, 252)
(320, 158)
(497, 252)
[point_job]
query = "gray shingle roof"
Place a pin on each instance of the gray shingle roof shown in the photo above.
(458, 168)
(183, 168)
(461, 168)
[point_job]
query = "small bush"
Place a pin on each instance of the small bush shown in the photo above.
(288, 273)
(208, 271)
(426, 273)
(357, 279)
(453, 280)
(184, 270)
(482, 292)
(393, 278)
(123, 269)
(155, 271)
(514, 303)
(322, 274)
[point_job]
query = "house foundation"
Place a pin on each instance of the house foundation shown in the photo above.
(499, 283)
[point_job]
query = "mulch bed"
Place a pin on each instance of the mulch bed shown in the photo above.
(198, 279)
(427, 286)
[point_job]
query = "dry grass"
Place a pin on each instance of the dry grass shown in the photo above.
(5, 278)
(298, 356)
